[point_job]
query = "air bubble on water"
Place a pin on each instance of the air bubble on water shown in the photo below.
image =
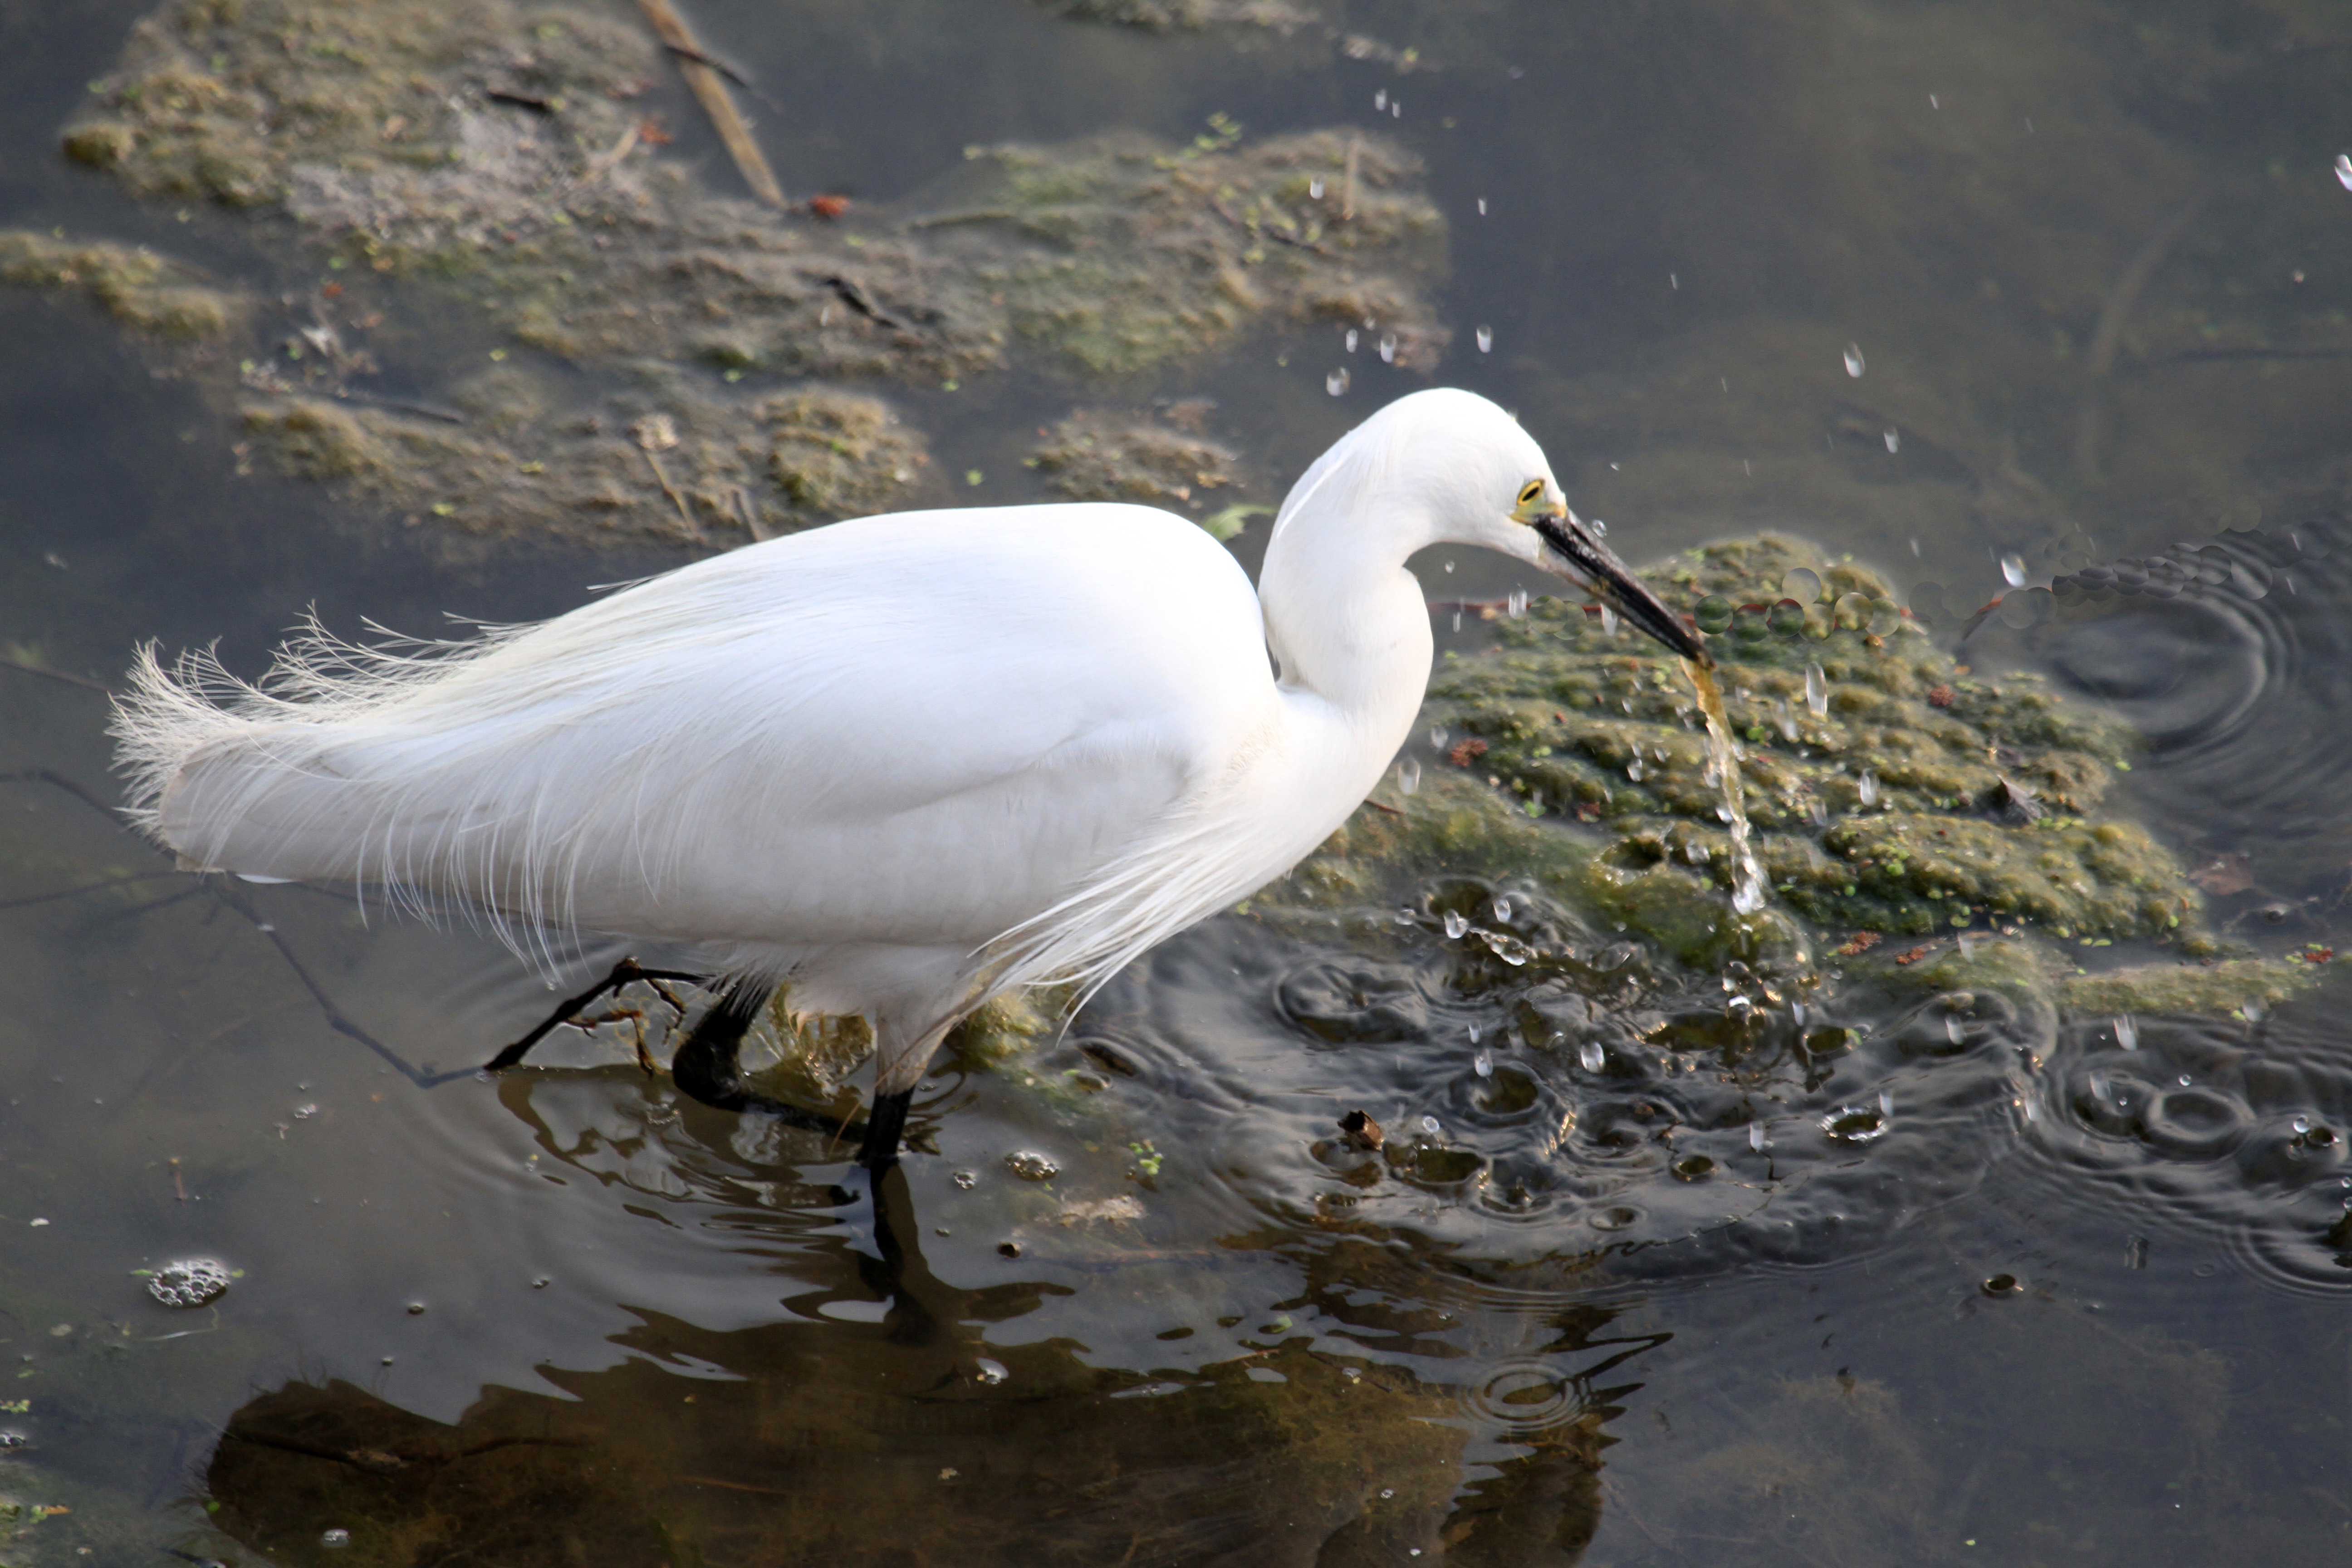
(1893, 439)
(1517, 605)
(335, 1539)
(1486, 339)
(1032, 1166)
(1387, 1493)
(1817, 690)
(1388, 348)
(2344, 170)
(1854, 365)
(1482, 1065)
(1591, 1057)
(2012, 568)
(2301, 1124)
(2127, 1033)
(966, 1180)
(1457, 924)
(989, 1371)
(303, 1112)
(1866, 787)
(1608, 621)
(1352, 340)
(1428, 1125)
(1408, 775)
(1756, 1136)
(1337, 381)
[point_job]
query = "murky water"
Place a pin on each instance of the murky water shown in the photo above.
(1645, 1263)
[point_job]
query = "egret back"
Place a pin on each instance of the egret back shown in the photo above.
(920, 730)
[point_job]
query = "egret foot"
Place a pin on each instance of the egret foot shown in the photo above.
(705, 1068)
(884, 1126)
(625, 972)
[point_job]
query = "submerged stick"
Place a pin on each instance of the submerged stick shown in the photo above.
(711, 90)
(2107, 337)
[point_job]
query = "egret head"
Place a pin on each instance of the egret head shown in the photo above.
(1447, 467)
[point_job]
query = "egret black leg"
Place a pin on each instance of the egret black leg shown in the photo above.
(625, 972)
(885, 1124)
(706, 1069)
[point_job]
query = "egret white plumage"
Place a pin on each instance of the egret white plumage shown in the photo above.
(901, 764)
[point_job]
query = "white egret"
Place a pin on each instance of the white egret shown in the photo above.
(901, 763)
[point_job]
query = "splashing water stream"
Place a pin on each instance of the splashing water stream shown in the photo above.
(1746, 875)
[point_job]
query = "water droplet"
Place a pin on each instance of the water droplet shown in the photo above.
(1608, 621)
(1381, 98)
(2252, 1010)
(1502, 913)
(967, 1180)
(1428, 1125)
(1408, 775)
(305, 1111)
(1796, 1013)
(1352, 340)
(1032, 1166)
(2344, 170)
(1866, 787)
(1853, 364)
(1817, 690)
(2301, 1124)
(1437, 739)
(1599, 528)
(2134, 1252)
(1591, 1057)
(2012, 568)
(1482, 1065)
(1756, 1136)
(335, 1539)
(1337, 381)
(1387, 1493)
(1388, 348)
(2184, 1080)
(1953, 1029)
(1817, 812)
(1885, 1102)
(1633, 770)
(989, 1371)
(2127, 1033)
(1456, 925)
(1517, 605)
(1893, 439)
(1486, 339)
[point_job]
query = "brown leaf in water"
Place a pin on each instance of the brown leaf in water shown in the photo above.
(1913, 956)
(2225, 874)
(1860, 942)
(1467, 752)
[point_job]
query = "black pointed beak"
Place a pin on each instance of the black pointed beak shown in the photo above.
(1575, 554)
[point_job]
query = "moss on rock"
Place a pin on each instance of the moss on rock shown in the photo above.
(1898, 804)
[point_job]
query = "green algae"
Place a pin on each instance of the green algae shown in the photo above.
(1104, 454)
(143, 291)
(489, 165)
(2211, 990)
(1895, 809)
(672, 461)
(1120, 252)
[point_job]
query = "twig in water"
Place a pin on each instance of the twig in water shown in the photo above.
(1347, 185)
(83, 681)
(2108, 336)
(710, 90)
(689, 52)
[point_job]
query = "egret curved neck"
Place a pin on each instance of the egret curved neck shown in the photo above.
(1349, 625)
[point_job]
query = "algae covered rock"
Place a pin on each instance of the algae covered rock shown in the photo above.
(141, 290)
(1889, 791)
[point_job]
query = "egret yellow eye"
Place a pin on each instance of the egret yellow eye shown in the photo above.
(1531, 492)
